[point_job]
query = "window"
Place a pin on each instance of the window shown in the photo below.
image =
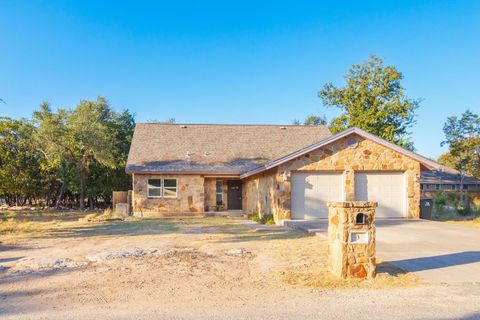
(162, 188)
(219, 192)
(170, 188)
(154, 188)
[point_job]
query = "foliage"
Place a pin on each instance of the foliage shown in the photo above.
(312, 120)
(462, 135)
(21, 166)
(439, 199)
(91, 136)
(264, 219)
(374, 100)
(57, 156)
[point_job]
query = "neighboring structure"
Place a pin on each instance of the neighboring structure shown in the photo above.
(289, 171)
(449, 180)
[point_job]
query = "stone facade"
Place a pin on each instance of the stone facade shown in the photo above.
(190, 195)
(351, 239)
(211, 193)
(269, 192)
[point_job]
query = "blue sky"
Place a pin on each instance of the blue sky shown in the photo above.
(236, 61)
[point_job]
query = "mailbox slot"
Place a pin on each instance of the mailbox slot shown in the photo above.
(358, 237)
(362, 218)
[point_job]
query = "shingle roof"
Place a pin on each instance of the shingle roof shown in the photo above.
(445, 176)
(426, 162)
(215, 148)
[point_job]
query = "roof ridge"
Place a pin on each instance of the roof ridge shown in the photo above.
(231, 124)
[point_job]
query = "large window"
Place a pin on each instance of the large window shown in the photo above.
(162, 188)
(219, 192)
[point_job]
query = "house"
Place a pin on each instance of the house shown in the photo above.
(289, 171)
(449, 180)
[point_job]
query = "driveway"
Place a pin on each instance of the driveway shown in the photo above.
(436, 251)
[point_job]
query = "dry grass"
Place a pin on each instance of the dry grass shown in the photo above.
(307, 267)
(100, 217)
(472, 222)
(26, 224)
(451, 216)
(388, 277)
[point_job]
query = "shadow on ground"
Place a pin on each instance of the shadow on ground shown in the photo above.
(439, 261)
(232, 230)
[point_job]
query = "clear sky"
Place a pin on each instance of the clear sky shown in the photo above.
(236, 61)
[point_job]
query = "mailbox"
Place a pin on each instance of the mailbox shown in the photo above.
(351, 239)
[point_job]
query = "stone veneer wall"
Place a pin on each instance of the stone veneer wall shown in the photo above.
(190, 195)
(211, 192)
(347, 258)
(269, 192)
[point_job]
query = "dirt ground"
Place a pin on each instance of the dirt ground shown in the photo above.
(197, 268)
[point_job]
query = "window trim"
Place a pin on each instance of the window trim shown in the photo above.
(162, 189)
(217, 193)
(149, 188)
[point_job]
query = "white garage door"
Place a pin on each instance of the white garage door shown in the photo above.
(388, 189)
(312, 191)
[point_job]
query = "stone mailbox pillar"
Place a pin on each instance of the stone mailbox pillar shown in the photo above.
(351, 239)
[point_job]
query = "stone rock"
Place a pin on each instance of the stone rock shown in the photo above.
(109, 255)
(232, 252)
(49, 263)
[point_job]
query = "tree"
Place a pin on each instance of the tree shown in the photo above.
(20, 163)
(462, 135)
(312, 120)
(79, 137)
(374, 100)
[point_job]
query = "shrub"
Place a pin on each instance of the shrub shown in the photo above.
(268, 219)
(264, 219)
(439, 199)
(254, 216)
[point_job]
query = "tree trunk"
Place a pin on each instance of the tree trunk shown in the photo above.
(60, 195)
(90, 200)
(81, 174)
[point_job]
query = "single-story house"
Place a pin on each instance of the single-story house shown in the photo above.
(290, 171)
(449, 180)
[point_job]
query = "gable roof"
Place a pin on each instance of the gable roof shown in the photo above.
(215, 148)
(426, 162)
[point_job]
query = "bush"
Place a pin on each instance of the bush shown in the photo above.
(254, 216)
(463, 211)
(439, 199)
(264, 219)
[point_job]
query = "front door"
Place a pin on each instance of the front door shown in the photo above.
(234, 194)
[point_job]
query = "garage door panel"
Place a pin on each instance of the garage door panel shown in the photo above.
(312, 191)
(388, 189)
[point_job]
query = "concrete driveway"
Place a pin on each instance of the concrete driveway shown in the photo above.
(436, 251)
